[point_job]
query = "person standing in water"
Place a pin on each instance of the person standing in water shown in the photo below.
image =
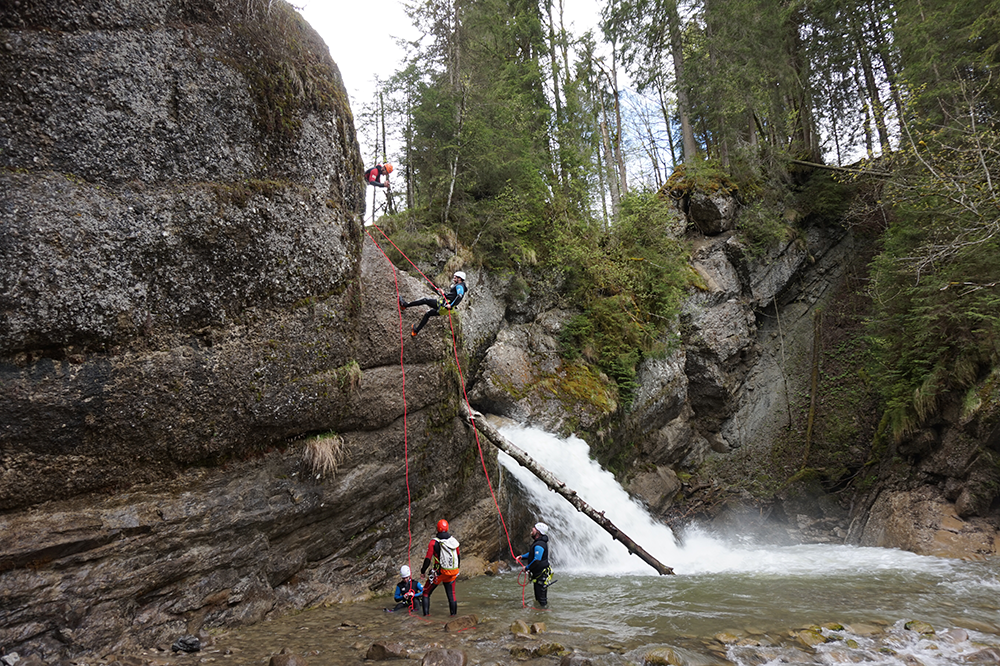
(442, 560)
(536, 563)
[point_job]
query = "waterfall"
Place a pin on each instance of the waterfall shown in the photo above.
(578, 545)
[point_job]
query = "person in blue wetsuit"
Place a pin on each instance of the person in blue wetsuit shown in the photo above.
(536, 563)
(442, 302)
(409, 593)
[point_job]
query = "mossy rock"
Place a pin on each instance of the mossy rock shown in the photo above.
(920, 627)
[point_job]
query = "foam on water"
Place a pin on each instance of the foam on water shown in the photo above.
(580, 545)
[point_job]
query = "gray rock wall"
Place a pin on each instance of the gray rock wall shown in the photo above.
(186, 291)
(177, 255)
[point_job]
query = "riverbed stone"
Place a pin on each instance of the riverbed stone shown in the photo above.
(549, 649)
(538, 627)
(444, 657)
(920, 627)
(576, 660)
(384, 652)
(810, 637)
(987, 656)
(461, 623)
(520, 627)
(288, 658)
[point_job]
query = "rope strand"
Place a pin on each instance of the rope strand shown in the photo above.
(465, 396)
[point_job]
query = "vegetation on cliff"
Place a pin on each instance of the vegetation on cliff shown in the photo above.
(524, 150)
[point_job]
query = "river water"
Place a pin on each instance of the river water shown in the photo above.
(736, 602)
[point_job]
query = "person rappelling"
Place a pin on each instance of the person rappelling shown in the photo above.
(440, 304)
(373, 176)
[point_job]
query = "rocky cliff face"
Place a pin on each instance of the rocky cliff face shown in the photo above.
(185, 294)
(727, 394)
(168, 237)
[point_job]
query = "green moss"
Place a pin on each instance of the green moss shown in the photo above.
(287, 67)
(698, 175)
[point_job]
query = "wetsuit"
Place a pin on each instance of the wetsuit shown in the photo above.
(449, 300)
(539, 571)
(442, 573)
(414, 601)
(374, 176)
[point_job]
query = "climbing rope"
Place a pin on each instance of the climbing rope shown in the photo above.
(406, 452)
(465, 396)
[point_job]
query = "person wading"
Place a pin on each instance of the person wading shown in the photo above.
(442, 559)
(536, 563)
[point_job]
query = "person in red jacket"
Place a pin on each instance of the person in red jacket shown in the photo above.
(442, 559)
(374, 175)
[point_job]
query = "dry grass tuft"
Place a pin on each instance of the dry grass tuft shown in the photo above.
(324, 454)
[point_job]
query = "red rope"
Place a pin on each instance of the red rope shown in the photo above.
(406, 451)
(429, 281)
(475, 431)
(465, 396)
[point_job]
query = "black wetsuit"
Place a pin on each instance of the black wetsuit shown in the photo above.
(415, 602)
(538, 568)
(452, 298)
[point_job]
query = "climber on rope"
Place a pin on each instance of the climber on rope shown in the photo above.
(409, 593)
(439, 305)
(442, 559)
(374, 175)
(536, 563)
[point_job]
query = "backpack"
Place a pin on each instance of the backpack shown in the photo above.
(448, 555)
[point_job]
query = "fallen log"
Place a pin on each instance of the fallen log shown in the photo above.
(493, 435)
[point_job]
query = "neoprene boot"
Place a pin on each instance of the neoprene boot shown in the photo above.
(425, 604)
(453, 607)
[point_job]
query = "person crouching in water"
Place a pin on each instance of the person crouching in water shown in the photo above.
(442, 559)
(443, 302)
(409, 593)
(536, 563)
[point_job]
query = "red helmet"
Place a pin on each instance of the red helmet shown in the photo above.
(442, 525)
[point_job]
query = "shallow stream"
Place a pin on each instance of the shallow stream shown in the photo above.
(737, 602)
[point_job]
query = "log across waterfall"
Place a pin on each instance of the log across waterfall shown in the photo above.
(523, 459)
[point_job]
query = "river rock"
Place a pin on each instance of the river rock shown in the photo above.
(549, 649)
(461, 623)
(520, 627)
(920, 627)
(987, 656)
(386, 651)
(444, 658)
(576, 660)
(287, 658)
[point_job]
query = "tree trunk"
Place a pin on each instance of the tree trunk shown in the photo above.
(563, 176)
(523, 459)
(683, 104)
(390, 207)
(666, 120)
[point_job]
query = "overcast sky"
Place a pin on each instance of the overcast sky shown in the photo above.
(362, 36)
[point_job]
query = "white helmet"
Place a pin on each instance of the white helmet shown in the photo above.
(460, 275)
(542, 528)
(404, 571)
